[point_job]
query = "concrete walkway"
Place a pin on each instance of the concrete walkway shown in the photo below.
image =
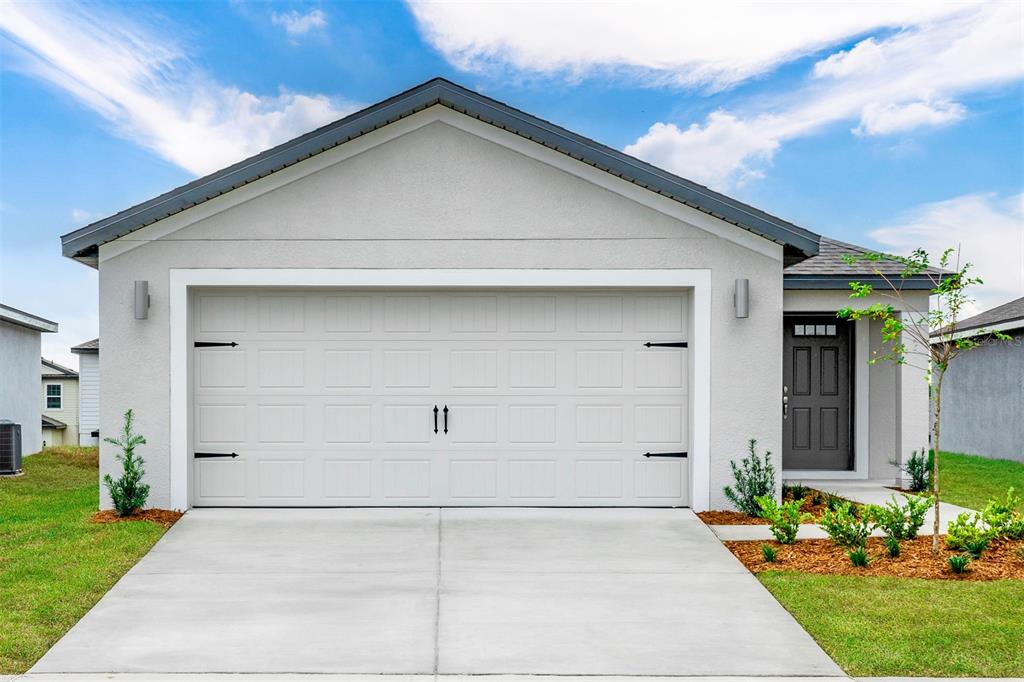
(425, 591)
(864, 492)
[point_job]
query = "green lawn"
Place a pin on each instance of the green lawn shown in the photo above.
(54, 563)
(903, 627)
(969, 481)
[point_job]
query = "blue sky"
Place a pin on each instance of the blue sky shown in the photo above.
(892, 125)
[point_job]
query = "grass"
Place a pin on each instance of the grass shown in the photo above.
(904, 627)
(54, 563)
(970, 481)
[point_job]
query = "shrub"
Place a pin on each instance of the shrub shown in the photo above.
(919, 469)
(958, 562)
(892, 545)
(967, 532)
(859, 557)
(1003, 519)
(754, 477)
(784, 519)
(900, 522)
(817, 498)
(769, 553)
(128, 492)
(843, 526)
(833, 502)
(795, 491)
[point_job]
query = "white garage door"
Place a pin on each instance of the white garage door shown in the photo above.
(550, 398)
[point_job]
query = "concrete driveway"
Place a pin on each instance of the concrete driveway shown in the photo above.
(552, 591)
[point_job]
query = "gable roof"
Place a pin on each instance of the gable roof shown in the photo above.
(59, 371)
(27, 320)
(1005, 317)
(83, 243)
(92, 346)
(828, 270)
(51, 423)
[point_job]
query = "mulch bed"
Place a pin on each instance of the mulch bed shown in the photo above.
(735, 518)
(164, 517)
(1004, 559)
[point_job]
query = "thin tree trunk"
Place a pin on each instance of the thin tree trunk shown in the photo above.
(936, 429)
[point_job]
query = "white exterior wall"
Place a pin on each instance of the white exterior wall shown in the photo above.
(449, 193)
(88, 397)
(19, 387)
(897, 396)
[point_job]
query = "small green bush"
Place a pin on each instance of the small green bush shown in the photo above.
(784, 519)
(844, 527)
(769, 553)
(859, 557)
(919, 468)
(967, 532)
(1002, 517)
(958, 562)
(892, 545)
(795, 491)
(817, 498)
(128, 492)
(754, 477)
(897, 521)
(833, 502)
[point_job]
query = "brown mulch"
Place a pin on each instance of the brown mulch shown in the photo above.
(1001, 561)
(164, 517)
(734, 518)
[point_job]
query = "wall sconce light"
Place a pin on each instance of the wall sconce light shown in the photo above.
(141, 299)
(741, 299)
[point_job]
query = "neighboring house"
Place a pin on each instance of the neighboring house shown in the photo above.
(983, 390)
(88, 391)
(442, 300)
(60, 404)
(20, 349)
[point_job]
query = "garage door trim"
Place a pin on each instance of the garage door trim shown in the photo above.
(697, 280)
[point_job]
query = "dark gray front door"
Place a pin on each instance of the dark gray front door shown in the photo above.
(816, 421)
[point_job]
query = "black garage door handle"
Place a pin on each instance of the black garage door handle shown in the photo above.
(446, 419)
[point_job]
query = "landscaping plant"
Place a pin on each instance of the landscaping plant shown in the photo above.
(918, 468)
(795, 491)
(859, 557)
(769, 553)
(967, 532)
(784, 519)
(128, 492)
(908, 332)
(1003, 519)
(844, 527)
(754, 477)
(958, 562)
(892, 546)
(900, 522)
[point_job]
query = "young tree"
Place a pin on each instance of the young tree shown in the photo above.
(933, 334)
(128, 492)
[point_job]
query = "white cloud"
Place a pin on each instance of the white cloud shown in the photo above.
(296, 23)
(80, 215)
(140, 80)
(906, 81)
(988, 230)
(683, 43)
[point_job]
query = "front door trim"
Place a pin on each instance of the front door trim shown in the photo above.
(698, 280)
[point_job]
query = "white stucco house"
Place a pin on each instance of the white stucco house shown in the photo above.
(20, 346)
(88, 353)
(442, 300)
(59, 396)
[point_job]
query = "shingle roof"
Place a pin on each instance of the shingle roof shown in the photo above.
(1000, 316)
(828, 266)
(92, 346)
(799, 242)
(60, 371)
(52, 423)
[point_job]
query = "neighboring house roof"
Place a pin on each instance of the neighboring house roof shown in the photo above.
(798, 242)
(87, 347)
(27, 320)
(828, 270)
(50, 422)
(59, 371)
(1005, 317)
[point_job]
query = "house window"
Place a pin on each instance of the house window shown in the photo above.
(53, 396)
(814, 330)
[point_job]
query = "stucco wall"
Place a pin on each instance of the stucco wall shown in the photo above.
(19, 388)
(444, 197)
(983, 401)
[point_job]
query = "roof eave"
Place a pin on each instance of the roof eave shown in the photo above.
(842, 282)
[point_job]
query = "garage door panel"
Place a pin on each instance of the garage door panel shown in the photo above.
(328, 398)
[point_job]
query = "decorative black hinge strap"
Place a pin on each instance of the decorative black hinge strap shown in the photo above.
(214, 344)
(664, 454)
(207, 455)
(673, 344)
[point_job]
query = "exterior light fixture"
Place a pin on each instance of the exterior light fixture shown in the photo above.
(141, 299)
(741, 299)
